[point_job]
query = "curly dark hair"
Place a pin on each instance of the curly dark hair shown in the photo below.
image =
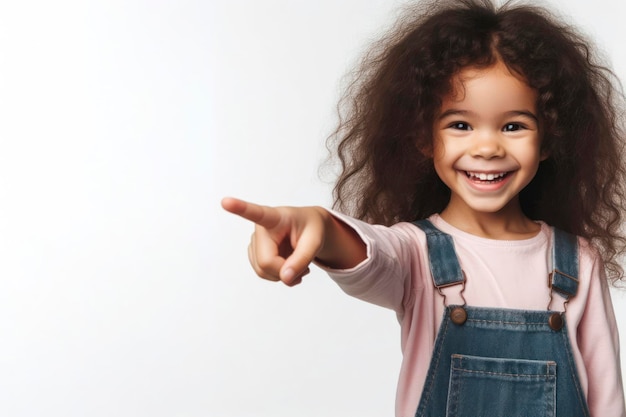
(385, 132)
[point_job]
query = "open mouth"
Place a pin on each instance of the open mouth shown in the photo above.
(486, 178)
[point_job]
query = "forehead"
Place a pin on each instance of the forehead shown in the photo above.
(491, 88)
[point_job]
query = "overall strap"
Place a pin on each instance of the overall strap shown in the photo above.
(444, 264)
(564, 276)
(446, 270)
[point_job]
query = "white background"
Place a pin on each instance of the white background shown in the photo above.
(124, 289)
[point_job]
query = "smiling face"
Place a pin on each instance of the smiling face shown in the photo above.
(487, 145)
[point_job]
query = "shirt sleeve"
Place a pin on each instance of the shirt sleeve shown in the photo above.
(598, 340)
(384, 277)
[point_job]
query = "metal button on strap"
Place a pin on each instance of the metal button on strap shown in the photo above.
(458, 315)
(555, 321)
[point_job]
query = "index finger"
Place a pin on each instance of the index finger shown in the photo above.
(265, 216)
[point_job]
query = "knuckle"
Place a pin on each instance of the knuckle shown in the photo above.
(269, 278)
(263, 274)
(265, 264)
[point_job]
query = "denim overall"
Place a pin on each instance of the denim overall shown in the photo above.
(502, 362)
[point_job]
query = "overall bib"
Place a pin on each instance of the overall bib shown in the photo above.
(502, 362)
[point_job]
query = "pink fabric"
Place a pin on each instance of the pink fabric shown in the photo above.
(500, 273)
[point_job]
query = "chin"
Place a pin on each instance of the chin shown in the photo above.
(488, 208)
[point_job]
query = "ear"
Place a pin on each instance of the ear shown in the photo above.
(426, 150)
(544, 154)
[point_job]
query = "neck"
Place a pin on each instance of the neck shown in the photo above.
(507, 224)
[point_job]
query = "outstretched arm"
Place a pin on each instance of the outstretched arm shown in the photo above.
(287, 239)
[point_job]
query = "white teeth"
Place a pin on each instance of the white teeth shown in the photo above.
(486, 177)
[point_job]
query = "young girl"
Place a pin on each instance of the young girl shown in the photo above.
(480, 141)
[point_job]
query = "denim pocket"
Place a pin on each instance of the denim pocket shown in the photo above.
(481, 387)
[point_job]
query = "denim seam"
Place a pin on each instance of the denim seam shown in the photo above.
(432, 372)
(538, 376)
(574, 375)
(541, 323)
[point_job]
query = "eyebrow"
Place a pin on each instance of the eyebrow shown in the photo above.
(453, 112)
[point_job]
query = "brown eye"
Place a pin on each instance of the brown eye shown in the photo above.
(512, 127)
(460, 126)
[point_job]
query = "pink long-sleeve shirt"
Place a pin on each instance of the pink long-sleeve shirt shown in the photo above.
(501, 274)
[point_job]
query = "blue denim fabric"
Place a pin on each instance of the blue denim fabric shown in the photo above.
(502, 362)
(564, 277)
(506, 387)
(444, 265)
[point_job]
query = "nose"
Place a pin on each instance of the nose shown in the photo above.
(487, 145)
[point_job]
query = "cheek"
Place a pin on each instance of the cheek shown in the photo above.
(441, 161)
(447, 151)
(531, 159)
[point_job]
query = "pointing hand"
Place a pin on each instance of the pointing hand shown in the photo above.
(285, 240)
